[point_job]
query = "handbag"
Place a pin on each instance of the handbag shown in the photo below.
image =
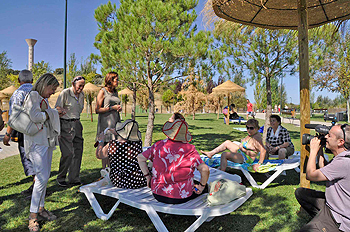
(223, 191)
(21, 122)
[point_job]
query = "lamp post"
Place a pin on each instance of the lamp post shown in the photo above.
(65, 49)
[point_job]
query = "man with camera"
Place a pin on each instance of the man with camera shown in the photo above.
(330, 210)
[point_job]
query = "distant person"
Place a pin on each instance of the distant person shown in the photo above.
(250, 149)
(39, 147)
(250, 109)
(278, 141)
(71, 101)
(108, 106)
(122, 153)
(233, 113)
(174, 162)
(330, 209)
(25, 79)
(2, 124)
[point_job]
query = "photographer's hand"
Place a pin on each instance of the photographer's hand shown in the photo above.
(315, 145)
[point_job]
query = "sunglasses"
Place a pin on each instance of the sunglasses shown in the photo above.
(250, 127)
(343, 129)
(78, 78)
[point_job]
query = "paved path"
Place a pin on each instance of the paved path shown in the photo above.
(7, 150)
(295, 122)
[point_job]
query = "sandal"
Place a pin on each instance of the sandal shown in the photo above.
(46, 215)
(33, 225)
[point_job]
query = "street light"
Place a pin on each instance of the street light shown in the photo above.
(65, 49)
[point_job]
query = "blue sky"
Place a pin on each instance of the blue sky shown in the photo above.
(43, 20)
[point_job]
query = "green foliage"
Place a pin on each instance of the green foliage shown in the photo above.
(168, 98)
(72, 68)
(58, 71)
(39, 69)
(13, 79)
(267, 54)
(5, 64)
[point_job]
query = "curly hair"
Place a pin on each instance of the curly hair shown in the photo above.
(109, 79)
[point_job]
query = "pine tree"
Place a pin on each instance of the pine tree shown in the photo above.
(147, 40)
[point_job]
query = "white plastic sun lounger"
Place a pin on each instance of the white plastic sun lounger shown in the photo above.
(292, 163)
(143, 199)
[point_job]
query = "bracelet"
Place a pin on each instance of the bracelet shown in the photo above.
(7, 134)
(100, 141)
(148, 174)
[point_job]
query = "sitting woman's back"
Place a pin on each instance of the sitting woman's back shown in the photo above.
(122, 153)
(125, 170)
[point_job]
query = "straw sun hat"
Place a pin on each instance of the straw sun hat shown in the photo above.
(177, 131)
(129, 130)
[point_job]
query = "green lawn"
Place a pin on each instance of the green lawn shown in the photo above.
(271, 209)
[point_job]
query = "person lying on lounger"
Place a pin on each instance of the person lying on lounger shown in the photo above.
(174, 162)
(122, 153)
(246, 152)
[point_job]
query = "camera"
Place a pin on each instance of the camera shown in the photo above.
(322, 131)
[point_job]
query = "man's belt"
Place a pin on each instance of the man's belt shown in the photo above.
(71, 119)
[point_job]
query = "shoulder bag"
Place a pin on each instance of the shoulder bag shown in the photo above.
(20, 121)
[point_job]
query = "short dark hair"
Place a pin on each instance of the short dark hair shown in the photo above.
(278, 118)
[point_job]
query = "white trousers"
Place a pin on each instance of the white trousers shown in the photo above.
(41, 157)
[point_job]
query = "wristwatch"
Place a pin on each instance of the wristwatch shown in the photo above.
(203, 185)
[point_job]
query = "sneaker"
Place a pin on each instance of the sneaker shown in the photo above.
(33, 225)
(28, 192)
(62, 183)
(46, 215)
(75, 183)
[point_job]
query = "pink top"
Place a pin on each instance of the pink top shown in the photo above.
(173, 166)
(250, 107)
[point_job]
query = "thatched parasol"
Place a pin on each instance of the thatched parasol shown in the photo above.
(90, 90)
(2, 96)
(228, 87)
(127, 92)
(286, 14)
(9, 90)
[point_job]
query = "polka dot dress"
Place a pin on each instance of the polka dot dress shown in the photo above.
(125, 170)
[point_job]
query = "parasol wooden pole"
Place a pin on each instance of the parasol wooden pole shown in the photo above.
(228, 110)
(304, 85)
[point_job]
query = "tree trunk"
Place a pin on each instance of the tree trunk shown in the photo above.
(218, 114)
(150, 123)
(133, 110)
(268, 105)
(347, 108)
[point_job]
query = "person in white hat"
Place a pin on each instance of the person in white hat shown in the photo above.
(122, 154)
(174, 162)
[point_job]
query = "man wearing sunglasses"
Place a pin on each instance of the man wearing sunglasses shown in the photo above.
(330, 210)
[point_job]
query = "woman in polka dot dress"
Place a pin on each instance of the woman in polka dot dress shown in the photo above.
(122, 153)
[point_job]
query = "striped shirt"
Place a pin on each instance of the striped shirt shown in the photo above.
(19, 95)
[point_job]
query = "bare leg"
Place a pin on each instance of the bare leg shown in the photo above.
(222, 147)
(282, 153)
(234, 157)
(105, 162)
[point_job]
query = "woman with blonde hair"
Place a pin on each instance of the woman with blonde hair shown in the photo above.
(108, 106)
(39, 147)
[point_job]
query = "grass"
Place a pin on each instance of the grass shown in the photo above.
(271, 209)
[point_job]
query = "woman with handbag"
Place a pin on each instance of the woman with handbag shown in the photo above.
(39, 147)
